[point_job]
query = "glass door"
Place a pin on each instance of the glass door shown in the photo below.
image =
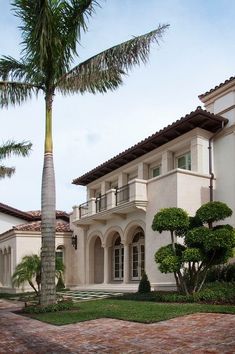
(118, 259)
(138, 259)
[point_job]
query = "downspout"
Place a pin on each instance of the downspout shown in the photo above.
(210, 161)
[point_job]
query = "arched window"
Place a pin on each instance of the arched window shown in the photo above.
(60, 253)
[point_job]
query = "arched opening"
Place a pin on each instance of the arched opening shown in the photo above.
(1, 268)
(118, 257)
(137, 254)
(60, 253)
(98, 262)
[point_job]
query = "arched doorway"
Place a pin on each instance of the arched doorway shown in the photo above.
(98, 261)
(118, 258)
(137, 254)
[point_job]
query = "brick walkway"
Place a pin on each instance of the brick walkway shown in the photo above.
(198, 333)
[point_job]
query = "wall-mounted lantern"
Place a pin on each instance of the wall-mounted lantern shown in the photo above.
(75, 241)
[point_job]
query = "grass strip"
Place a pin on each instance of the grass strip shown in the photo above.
(144, 312)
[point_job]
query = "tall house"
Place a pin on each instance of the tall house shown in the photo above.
(221, 101)
(183, 165)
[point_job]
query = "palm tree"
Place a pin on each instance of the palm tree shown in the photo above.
(52, 31)
(12, 148)
(29, 269)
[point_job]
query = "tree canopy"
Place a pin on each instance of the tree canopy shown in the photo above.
(203, 246)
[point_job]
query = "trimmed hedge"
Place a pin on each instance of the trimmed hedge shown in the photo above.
(225, 273)
(60, 306)
(213, 293)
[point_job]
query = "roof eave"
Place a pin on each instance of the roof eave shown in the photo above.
(160, 138)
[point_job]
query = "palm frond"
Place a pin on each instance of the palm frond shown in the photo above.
(104, 71)
(12, 69)
(15, 70)
(12, 93)
(6, 171)
(11, 147)
(124, 56)
(41, 40)
(90, 79)
(74, 16)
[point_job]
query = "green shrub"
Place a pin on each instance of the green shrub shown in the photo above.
(144, 285)
(60, 284)
(216, 292)
(170, 219)
(224, 273)
(60, 306)
(213, 211)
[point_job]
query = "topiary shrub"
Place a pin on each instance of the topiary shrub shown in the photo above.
(60, 284)
(204, 247)
(170, 219)
(144, 285)
(213, 211)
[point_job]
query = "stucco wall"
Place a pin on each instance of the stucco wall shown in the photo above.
(225, 171)
(8, 221)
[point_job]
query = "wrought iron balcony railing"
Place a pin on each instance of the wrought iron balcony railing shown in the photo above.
(122, 194)
(101, 203)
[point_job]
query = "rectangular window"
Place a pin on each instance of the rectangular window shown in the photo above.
(156, 171)
(184, 161)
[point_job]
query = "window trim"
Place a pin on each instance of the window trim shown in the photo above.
(188, 161)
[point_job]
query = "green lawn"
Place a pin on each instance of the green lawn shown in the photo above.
(146, 312)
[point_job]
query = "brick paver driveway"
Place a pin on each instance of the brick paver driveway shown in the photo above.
(199, 333)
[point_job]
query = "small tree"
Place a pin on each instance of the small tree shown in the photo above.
(204, 246)
(29, 270)
(144, 285)
(173, 220)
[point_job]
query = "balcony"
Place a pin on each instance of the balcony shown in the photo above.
(115, 202)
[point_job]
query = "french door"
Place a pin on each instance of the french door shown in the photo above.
(138, 258)
(118, 259)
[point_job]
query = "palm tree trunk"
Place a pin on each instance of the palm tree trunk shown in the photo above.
(48, 290)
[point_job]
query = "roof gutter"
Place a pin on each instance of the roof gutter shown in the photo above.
(211, 186)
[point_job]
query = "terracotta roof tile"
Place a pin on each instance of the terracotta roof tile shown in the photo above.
(36, 214)
(36, 226)
(6, 209)
(217, 87)
(198, 118)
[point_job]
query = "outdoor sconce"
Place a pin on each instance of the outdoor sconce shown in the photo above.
(75, 241)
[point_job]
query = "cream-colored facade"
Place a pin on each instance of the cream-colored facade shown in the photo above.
(122, 202)
(172, 168)
(20, 236)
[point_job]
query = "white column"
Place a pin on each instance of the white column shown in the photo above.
(142, 171)
(9, 268)
(199, 155)
(5, 269)
(167, 161)
(1, 268)
(126, 276)
(104, 187)
(122, 179)
(111, 198)
(106, 264)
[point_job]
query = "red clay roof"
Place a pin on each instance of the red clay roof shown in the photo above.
(36, 226)
(198, 118)
(217, 87)
(32, 215)
(6, 209)
(36, 214)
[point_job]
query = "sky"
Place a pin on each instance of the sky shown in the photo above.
(196, 53)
